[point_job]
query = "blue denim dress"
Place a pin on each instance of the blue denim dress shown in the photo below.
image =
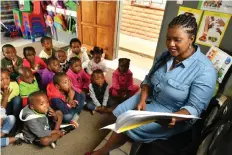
(190, 85)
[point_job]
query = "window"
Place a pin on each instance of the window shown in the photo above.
(160, 4)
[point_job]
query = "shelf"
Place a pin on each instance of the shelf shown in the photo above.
(62, 11)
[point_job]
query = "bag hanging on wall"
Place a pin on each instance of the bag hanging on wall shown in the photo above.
(71, 5)
(71, 25)
(59, 22)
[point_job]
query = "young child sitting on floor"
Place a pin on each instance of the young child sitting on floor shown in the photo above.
(32, 61)
(122, 81)
(79, 78)
(6, 124)
(65, 99)
(97, 61)
(99, 92)
(36, 126)
(48, 50)
(48, 73)
(11, 61)
(62, 57)
(27, 84)
(76, 50)
(12, 101)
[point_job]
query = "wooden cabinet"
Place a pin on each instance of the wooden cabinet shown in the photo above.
(96, 25)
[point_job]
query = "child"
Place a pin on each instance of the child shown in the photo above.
(96, 62)
(48, 50)
(76, 50)
(62, 57)
(122, 81)
(65, 99)
(27, 84)
(36, 126)
(98, 91)
(11, 61)
(48, 73)
(32, 61)
(79, 78)
(10, 99)
(6, 124)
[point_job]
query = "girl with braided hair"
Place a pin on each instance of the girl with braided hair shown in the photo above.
(181, 81)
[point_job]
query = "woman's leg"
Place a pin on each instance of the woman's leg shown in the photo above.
(115, 141)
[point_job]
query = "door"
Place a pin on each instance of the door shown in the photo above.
(96, 25)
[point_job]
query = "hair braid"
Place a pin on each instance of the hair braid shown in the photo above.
(187, 22)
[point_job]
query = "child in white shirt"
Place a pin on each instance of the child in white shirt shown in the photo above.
(97, 62)
(76, 50)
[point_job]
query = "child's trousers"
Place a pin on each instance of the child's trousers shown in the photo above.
(7, 125)
(68, 113)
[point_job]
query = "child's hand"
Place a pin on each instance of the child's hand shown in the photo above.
(6, 92)
(58, 132)
(73, 103)
(10, 68)
(14, 61)
(52, 113)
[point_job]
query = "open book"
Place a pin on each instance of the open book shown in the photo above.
(134, 118)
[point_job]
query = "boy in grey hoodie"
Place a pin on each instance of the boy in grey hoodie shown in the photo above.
(35, 122)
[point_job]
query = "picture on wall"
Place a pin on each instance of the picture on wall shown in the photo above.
(224, 6)
(190, 11)
(212, 28)
(221, 61)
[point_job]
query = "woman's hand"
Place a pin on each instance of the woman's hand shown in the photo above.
(141, 105)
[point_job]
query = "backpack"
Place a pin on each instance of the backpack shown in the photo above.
(217, 127)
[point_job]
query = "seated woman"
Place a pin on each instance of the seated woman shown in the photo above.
(181, 81)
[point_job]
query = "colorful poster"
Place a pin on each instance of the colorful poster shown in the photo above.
(194, 12)
(224, 6)
(221, 61)
(212, 28)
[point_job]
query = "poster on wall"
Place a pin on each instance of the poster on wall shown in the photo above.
(190, 11)
(224, 6)
(212, 28)
(221, 61)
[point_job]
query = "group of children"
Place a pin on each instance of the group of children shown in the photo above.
(40, 93)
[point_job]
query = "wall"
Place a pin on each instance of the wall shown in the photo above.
(170, 12)
(141, 22)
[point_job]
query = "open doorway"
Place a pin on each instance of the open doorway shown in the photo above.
(140, 23)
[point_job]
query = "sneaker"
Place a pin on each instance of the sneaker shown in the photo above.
(53, 145)
(67, 128)
(19, 136)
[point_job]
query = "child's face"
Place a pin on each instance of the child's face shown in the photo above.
(76, 67)
(99, 79)
(61, 56)
(64, 84)
(27, 77)
(48, 44)
(55, 66)
(76, 48)
(40, 104)
(9, 53)
(97, 58)
(123, 68)
(30, 56)
(5, 80)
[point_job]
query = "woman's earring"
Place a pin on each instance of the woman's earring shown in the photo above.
(190, 46)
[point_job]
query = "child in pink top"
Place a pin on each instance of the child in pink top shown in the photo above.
(122, 81)
(80, 79)
(32, 61)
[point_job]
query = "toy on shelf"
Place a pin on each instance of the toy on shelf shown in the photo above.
(18, 16)
(34, 23)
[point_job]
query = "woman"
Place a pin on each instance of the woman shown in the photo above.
(183, 84)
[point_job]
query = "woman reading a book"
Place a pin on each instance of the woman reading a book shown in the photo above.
(182, 81)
